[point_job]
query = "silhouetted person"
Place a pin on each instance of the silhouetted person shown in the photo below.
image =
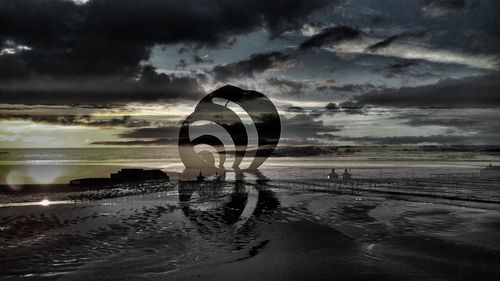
(346, 175)
(217, 177)
(333, 175)
(200, 177)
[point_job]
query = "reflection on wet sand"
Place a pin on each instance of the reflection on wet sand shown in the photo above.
(241, 199)
(44, 202)
(228, 230)
(241, 205)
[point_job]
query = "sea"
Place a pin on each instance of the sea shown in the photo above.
(60, 165)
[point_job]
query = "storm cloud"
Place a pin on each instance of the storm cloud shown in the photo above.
(79, 120)
(489, 139)
(298, 128)
(481, 91)
(153, 142)
(329, 36)
(99, 40)
(287, 87)
(441, 8)
(150, 87)
(390, 40)
(247, 68)
(402, 72)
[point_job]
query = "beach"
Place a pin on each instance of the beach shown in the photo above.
(249, 140)
(243, 231)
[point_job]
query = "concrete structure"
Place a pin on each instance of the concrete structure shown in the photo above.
(90, 181)
(124, 175)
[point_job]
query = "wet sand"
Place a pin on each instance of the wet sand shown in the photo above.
(367, 239)
(247, 233)
(308, 251)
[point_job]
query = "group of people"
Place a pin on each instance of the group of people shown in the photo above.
(333, 175)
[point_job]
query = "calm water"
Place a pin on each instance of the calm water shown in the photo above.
(45, 166)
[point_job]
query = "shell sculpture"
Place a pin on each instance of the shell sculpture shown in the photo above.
(262, 112)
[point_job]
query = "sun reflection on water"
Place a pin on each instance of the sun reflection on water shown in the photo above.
(45, 202)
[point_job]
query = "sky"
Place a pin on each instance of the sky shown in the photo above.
(102, 73)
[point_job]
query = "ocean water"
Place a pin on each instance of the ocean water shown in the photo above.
(59, 165)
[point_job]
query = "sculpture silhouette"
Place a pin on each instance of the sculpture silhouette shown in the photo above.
(260, 109)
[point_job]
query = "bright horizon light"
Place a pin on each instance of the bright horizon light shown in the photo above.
(45, 202)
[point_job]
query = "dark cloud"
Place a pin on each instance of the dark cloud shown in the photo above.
(400, 67)
(287, 87)
(390, 40)
(332, 106)
(295, 109)
(462, 123)
(181, 64)
(303, 151)
(299, 128)
(113, 36)
(377, 19)
(491, 139)
(108, 39)
(80, 120)
(150, 87)
(469, 26)
(124, 121)
(329, 36)
(348, 107)
(480, 122)
(382, 44)
(167, 134)
(304, 128)
(348, 88)
(406, 70)
(247, 68)
(159, 141)
(159, 132)
(351, 107)
(481, 91)
(440, 8)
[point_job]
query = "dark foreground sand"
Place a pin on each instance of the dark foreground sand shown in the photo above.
(308, 251)
(246, 233)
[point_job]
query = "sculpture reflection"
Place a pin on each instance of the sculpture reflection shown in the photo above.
(218, 209)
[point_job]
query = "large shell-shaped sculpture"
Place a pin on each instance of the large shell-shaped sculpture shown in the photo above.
(262, 112)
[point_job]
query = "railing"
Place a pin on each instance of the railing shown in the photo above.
(467, 189)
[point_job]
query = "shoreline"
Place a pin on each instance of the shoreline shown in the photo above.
(460, 189)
